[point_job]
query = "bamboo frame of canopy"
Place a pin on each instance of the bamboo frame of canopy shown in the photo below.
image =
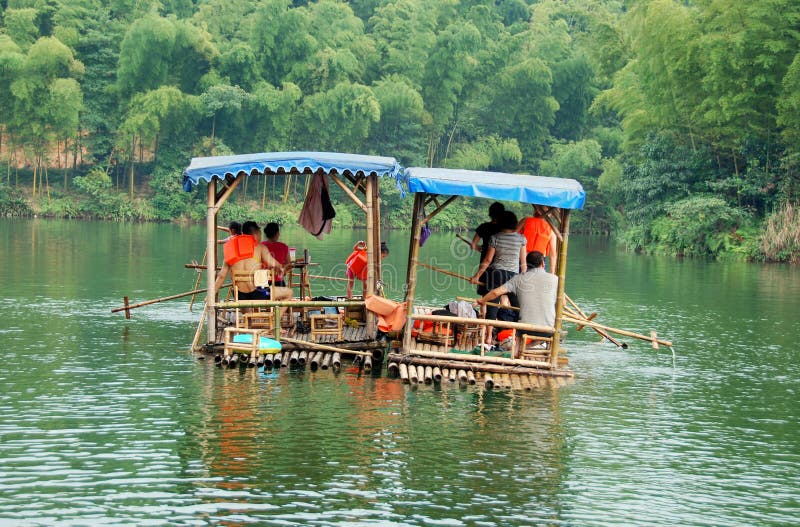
(366, 184)
(558, 218)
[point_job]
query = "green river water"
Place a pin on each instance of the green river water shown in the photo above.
(112, 422)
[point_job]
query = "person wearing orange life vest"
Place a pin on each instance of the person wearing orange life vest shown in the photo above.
(245, 253)
(356, 266)
(540, 237)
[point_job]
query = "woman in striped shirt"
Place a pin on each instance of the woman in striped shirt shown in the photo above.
(504, 259)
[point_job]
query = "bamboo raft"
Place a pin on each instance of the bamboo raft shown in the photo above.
(430, 348)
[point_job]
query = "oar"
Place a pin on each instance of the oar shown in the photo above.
(463, 239)
(449, 273)
(619, 331)
(127, 307)
(474, 300)
(598, 331)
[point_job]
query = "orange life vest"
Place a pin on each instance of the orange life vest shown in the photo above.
(239, 248)
(357, 263)
(537, 231)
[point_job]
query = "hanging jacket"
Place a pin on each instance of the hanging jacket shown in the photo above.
(317, 214)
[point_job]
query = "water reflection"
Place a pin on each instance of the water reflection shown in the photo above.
(110, 422)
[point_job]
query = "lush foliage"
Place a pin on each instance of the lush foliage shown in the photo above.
(659, 108)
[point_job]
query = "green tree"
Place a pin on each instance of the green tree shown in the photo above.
(339, 119)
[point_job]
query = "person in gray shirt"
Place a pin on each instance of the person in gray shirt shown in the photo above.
(536, 292)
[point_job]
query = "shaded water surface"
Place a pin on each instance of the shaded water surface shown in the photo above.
(111, 422)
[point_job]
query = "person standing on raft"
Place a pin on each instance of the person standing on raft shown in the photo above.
(540, 237)
(483, 233)
(356, 266)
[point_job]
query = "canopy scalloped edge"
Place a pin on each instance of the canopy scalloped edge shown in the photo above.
(220, 167)
(554, 192)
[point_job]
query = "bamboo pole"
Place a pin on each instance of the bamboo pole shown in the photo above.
(313, 364)
(487, 359)
(326, 361)
(462, 377)
(437, 374)
(403, 368)
(128, 307)
(285, 359)
(349, 192)
(326, 347)
(561, 269)
(277, 359)
(336, 362)
(428, 374)
(197, 281)
(412, 374)
(368, 363)
(626, 333)
(392, 369)
(211, 251)
(488, 382)
(494, 323)
(452, 375)
(373, 253)
(598, 331)
(294, 358)
(470, 377)
(302, 358)
(420, 373)
(322, 277)
(448, 273)
(413, 258)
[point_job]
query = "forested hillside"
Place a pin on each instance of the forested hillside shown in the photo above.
(681, 119)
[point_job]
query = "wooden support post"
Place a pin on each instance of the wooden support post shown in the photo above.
(562, 273)
(211, 252)
(413, 258)
(373, 254)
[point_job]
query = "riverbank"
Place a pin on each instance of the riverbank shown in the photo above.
(697, 229)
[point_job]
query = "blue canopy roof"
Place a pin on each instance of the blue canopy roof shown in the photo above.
(554, 192)
(208, 168)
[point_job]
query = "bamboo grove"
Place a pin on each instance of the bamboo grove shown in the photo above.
(681, 119)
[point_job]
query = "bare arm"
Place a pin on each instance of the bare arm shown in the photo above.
(491, 295)
(474, 244)
(523, 253)
(223, 273)
(521, 225)
(269, 260)
(483, 266)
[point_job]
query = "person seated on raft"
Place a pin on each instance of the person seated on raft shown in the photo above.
(278, 250)
(356, 266)
(244, 253)
(536, 292)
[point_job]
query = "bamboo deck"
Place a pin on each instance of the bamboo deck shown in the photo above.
(429, 361)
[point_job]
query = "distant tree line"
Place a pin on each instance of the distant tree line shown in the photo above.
(680, 119)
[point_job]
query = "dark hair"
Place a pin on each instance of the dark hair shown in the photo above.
(384, 248)
(534, 259)
(507, 220)
(495, 210)
(235, 228)
(250, 227)
(271, 229)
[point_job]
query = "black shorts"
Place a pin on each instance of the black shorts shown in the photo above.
(256, 294)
